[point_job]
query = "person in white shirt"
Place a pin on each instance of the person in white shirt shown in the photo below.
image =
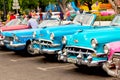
(32, 22)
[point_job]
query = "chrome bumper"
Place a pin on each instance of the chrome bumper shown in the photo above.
(51, 45)
(109, 72)
(1, 43)
(17, 45)
(11, 44)
(49, 51)
(80, 61)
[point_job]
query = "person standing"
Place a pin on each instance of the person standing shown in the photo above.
(67, 14)
(61, 15)
(32, 22)
(48, 14)
(12, 16)
(40, 15)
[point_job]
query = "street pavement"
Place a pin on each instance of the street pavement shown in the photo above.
(20, 67)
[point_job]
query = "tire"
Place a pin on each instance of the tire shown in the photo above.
(28, 50)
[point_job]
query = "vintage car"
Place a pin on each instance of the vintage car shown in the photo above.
(52, 42)
(20, 39)
(85, 47)
(15, 24)
(112, 66)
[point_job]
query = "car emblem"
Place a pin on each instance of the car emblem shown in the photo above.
(76, 41)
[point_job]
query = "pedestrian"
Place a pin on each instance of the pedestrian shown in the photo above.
(32, 22)
(8, 16)
(40, 15)
(12, 16)
(1, 24)
(67, 14)
(61, 15)
(48, 14)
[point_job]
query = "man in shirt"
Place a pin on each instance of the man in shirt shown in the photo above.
(32, 23)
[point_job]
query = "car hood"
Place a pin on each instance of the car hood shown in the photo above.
(85, 36)
(62, 30)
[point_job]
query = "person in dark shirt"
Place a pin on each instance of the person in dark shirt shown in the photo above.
(61, 15)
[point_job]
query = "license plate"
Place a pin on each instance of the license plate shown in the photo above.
(71, 60)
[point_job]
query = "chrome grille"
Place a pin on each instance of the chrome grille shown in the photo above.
(36, 42)
(45, 43)
(76, 50)
(9, 38)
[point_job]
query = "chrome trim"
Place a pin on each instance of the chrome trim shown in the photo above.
(17, 45)
(83, 48)
(114, 73)
(51, 45)
(45, 40)
(48, 43)
(1, 43)
(90, 64)
(49, 51)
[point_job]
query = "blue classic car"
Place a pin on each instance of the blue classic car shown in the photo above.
(20, 40)
(86, 47)
(52, 41)
(17, 39)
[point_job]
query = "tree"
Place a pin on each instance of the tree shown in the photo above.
(62, 4)
(116, 5)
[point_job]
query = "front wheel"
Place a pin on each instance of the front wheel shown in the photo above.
(29, 49)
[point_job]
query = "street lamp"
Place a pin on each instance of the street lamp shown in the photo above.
(4, 11)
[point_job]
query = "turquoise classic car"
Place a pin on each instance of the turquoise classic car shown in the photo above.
(52, 40)
(86, 47)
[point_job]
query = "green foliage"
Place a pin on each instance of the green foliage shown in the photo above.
(105, 18)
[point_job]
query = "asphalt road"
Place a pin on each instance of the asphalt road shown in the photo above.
(19, 67)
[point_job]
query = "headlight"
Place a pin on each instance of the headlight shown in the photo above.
(106, 49)
(52, 36)
(34, 34)
(64, 40)
(15, 37)
(94, 43)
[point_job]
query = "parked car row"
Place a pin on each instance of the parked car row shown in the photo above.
(78, 42)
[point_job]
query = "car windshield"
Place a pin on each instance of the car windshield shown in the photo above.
(84, 19)
(49, 23)
(116, 21)
(24, 21)
(13, 22)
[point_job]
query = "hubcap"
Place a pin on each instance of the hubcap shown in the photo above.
(30, 50)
